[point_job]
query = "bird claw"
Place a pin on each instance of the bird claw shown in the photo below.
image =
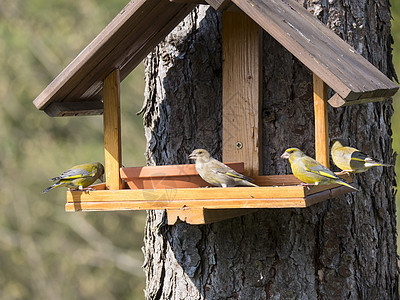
(344, 173)
(89, 189)
(307, 185)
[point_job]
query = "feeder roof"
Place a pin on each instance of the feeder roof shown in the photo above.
(143, 24)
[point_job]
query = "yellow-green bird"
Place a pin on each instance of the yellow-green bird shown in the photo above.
(310, 171)
(78, 177)
(217, 173)
(351, 160)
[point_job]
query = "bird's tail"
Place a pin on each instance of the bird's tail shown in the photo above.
(52, 187)
(347, 184)
(377, 164)
(248, 183)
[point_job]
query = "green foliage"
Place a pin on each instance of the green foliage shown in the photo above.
(46, 253)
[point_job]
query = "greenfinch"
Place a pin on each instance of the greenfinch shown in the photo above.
(310, 171)
(351, 160)
(217, 173)
(78, 177)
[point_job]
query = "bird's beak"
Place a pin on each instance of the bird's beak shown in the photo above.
(285, 155)
(192, 156)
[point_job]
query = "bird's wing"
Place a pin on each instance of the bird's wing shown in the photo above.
(359, 156)
(219, 167)
(75, 173)
(315, 167)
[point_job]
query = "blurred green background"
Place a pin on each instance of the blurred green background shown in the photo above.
(396, 102)
(46, 253)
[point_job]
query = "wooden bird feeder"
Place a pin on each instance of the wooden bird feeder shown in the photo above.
(89, 85)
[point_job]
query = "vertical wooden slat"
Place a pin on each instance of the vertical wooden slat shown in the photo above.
(241, 90)
(321, 121)
(112, 130)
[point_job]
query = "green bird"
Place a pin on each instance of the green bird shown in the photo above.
(310, 171)
(351, 160)
(78, 177)
(217, 173)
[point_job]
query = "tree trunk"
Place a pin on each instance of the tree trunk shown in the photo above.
(344, 248)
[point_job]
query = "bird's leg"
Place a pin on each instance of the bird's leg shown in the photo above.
(88, 189)
(307, 185)
(344, 172)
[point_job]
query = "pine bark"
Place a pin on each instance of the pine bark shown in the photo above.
(344, 248)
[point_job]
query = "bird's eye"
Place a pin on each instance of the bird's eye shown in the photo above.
(290, 151)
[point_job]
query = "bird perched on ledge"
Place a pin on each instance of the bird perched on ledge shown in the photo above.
(217, 173)
(78, 177)
(310, 171)
(351, 160)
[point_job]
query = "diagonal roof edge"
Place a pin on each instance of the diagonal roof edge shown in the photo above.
(320, 49)
(123, 43)
(143, 24)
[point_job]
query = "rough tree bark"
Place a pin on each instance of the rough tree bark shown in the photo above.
(344, 248)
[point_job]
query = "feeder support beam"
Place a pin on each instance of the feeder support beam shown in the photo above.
(112, 130)
(241, 90)
(321, 121)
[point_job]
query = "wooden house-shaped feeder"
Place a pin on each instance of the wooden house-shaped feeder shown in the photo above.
(89, 85)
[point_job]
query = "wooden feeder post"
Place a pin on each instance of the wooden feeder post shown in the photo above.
(321, 121)
(112, 130)
(241, 90)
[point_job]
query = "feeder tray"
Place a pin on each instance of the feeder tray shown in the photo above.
(186, 197)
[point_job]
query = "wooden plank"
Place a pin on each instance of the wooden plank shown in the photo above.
(214, 194)
(327, 194)
(188, 215)
(319, 48)
(112, 130)
(169, 170)
(165, 204)
(204, 216)
(337, 101)
(321, 121)
(219, 4)
(124, 43)
(198, 204)
(241, 90)
(81, 108)
(189, 1)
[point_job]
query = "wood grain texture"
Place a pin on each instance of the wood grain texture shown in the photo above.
(241, 94)
(169, 176)
(173, 195)
(81, 108)
(198, 199)
(184, 196)
(219, 4)
(123, 43)
(112, 130)
(321, 121)
(339, 65)
(337, 101)
(170, 170)
(204, 216)
(189, 1)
